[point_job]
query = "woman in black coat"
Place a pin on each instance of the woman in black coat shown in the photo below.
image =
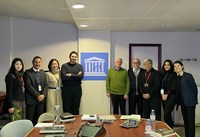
(186, 97)
(168, 91)
(15, 90)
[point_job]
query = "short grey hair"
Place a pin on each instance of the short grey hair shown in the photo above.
(119, 59)
(148, 60)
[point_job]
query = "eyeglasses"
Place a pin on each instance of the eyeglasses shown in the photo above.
(136, 63)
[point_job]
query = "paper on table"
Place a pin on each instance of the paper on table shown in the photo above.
(133, 116)
(106, 117)
(89, 117)
(44, 124)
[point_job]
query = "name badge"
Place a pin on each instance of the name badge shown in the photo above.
(162, 91)
(39, 88)
(57, 88)
(146, 85)
(23, 89)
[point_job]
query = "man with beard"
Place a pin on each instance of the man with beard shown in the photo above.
(72, 74)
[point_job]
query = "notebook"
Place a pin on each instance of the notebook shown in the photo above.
(53, 129)
(66, 115)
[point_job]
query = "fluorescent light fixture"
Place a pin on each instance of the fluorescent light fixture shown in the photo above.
(168, 26)
(198, 29)
(83, 26)
(78, 6)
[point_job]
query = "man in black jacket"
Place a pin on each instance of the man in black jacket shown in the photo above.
(150, 90)
(35, 90)
(135, 96)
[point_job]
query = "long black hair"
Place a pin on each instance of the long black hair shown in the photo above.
(171, 66)
(12, 67)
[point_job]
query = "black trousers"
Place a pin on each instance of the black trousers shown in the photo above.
(152, 103)
(118, 101)
(189, 120)
(34, 111)
(71, 95)
(133, 101)
(168, 107)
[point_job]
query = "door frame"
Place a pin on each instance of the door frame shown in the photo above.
(158, 46)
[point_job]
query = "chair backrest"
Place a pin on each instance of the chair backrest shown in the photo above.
(45, 117)
(17, 128)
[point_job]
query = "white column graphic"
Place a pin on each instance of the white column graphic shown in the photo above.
(94, 66)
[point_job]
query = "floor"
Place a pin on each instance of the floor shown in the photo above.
(180, 131)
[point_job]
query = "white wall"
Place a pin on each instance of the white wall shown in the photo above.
(5, 42)
(46, 39)
(27, 38)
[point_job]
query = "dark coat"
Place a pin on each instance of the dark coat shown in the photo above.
(153, 83)
(14, 89)
(31, 86)
(133, 80)
(189, 90)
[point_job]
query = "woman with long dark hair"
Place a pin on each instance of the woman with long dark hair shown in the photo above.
(15, 90)
(168, 91)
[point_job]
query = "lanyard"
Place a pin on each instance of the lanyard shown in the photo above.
(22, 81)
(147, 77)
(164, 78)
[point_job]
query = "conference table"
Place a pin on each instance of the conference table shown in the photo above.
(112, 130)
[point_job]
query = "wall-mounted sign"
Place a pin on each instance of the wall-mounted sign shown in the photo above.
(95, 65)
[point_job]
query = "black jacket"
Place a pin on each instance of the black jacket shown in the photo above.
(153, 83)
(31, 86)
(133, 80)
(14, 89)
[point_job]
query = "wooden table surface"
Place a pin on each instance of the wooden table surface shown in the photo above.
(112, 130)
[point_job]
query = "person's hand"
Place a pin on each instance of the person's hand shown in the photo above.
(164, 97)
(146, 96)
(11, 110)
(80, 72)
(125, 96)
(40, 98)
(69, 74)
(108, 94)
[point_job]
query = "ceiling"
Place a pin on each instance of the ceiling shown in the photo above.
(111, 15)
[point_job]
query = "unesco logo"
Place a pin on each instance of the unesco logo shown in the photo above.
(95, 65)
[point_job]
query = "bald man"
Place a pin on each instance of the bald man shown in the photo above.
(117, 86)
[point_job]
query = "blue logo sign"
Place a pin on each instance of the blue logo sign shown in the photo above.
(95, 65)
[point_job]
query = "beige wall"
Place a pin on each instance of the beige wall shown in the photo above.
(94, 99)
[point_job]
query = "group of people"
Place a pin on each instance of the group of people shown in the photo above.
(147, 89)
(32, 92)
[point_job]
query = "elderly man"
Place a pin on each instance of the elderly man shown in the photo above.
(150, 90)
(117, 86)
(135, 96)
